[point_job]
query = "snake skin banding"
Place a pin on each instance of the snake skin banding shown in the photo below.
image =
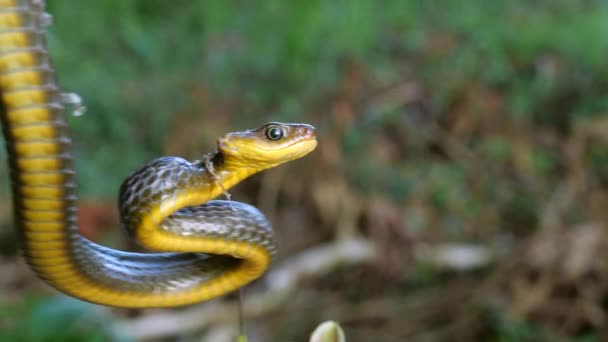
(203, 249)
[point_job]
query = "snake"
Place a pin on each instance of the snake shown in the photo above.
(196, 247)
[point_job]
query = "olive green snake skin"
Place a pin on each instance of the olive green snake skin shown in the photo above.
(203, 249)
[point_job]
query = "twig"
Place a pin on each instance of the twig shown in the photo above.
(208, 163)
(240, 301)
(280, 284)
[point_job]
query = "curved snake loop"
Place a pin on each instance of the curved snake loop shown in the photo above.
(206, 248)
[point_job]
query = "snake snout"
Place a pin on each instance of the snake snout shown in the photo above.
(307, 131)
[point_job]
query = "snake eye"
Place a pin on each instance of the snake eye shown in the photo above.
(274, 133)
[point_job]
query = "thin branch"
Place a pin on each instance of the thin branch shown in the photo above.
(280, 283)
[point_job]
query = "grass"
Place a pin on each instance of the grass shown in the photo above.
(146, 67)
(137, 64)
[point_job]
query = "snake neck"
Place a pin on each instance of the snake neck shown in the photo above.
(225, 174)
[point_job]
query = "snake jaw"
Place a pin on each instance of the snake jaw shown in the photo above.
(255, 149)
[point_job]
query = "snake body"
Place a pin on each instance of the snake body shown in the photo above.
(203, 249)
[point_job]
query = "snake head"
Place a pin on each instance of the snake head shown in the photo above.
(268, 146)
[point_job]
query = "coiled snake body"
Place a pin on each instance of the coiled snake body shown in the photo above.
(208, 248)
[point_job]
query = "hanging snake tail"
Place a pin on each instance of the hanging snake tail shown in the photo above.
(37, 143)
(208, 248)
(44, 189)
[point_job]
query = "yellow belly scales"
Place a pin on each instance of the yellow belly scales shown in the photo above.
(43, 184)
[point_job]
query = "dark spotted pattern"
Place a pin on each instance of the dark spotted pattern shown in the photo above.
(31, 112)
(159, 181)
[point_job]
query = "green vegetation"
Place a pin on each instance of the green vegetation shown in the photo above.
(56, 319)
(139, 64)
(467, 116)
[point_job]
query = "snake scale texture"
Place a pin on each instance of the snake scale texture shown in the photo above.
(202, 248)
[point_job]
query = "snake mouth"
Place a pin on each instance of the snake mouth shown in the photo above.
(257, 149)
(294, 150)
(300, 139)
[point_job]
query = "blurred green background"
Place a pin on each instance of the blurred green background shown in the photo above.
(466, 140)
